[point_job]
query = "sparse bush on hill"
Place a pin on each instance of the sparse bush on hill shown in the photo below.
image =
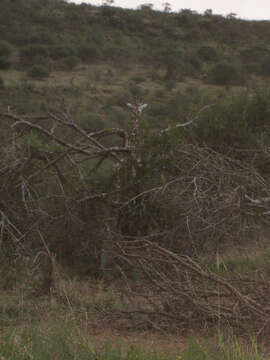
(43, 37)
(253, 54)
(238, 121)
(191, 65)
(252, 68)
(5, 63)
(91, 122)
(89, 53)
(69, 63)
(31, 54)
(61, 51)
(225, 73)
(208, 53)
(2, 83)
(134, 89)
(39, 72)
(5, 49)
(265, 67)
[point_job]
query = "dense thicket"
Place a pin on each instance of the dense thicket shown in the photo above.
(81, 171)
(186, 185)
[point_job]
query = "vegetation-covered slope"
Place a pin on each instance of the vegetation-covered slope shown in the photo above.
(129, 137)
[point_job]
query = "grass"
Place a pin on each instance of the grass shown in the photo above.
(77, 322)
(67, 341)
(252, 261)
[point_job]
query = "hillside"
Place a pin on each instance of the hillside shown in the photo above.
(93, 53)
(134, 177)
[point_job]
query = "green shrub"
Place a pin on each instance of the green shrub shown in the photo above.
(265, 67)
(118, 115)
(208, 53)
(225, 73)
(252, 68)
(69, 62)
(191, 65)
(2, 83)
(158, 109)
(42, 37)
(39, 72)
(253, 54)
(138, 79)
(5, 48)
(116, 54)
(89, 53)
(91, 122)
(30, 53)
(239, 120)
(61, 51)
(135, 89)
(120, 98)
(5, 63)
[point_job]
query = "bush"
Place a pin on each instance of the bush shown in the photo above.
(43, 37)
(265, 67)
(253, 54)
(120, 98)
(138, 79)
(5, 63)
(207, 53)
(39, 72)
(61, 51)
(135, 89)
(191, 65)
(30, 53)
(116, 54)
(5, 48)
(239, 120)
(253, 68)
(69, 62)
(91, 122)
(225, 73)
(2, 83)
(89, 53)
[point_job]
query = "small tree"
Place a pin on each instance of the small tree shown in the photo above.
(30, 53)
(69, 63)
(2, 83)
(265, 67)
(146, 7)
(5, 49)
(5, 63)
(107, 2)
(89, 53)
(167, 7)
(39, 72)
(225, 73)
(207, 53)
(208, 12)
(61, 51)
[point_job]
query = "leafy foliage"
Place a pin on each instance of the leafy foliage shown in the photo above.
(5, 63)
(2, 83)
(265, 67)
(5, 49)
(31, 54)
(208, 53)
(225, 73)
(61, 51)
(39, 72)
(89, 53)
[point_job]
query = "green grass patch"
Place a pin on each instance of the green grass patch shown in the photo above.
(66, 341)
(250, 264)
